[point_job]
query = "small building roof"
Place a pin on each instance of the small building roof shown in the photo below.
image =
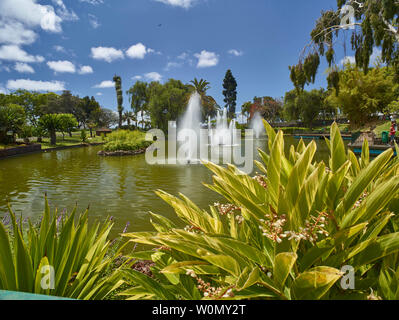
(103, 130)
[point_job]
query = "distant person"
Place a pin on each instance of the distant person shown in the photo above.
(392, 132)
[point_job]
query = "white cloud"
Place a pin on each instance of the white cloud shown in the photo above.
(172, 65)
(85, 70)
(59, 49)
(348, 59)
(178, 3)
(153, 76)
(32, 85)
(15, 53)
(183, 56)
(64, 13)
(62, 66)
(105, 84)
(30, 13)
(207, 59)
(2, 89)
(16, 33)
(22, 67)
(99, 93)
(138, 51)
(137, 78)
(106, 54)
(93, 20)
(373, 58)
(235, 52)
(93, 2)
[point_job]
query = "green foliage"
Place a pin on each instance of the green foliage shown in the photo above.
(50, 123)
(119, 97)
(375, 25)
(284, 235)
(310, 103)
(307, 106)
(268, 107)
(230, 93)
(139, 98)
(362, 95)
(209, 105)
(167, 102)
(124, 140)
(246, 108)
(67, 123)
(12, 118)
(79, 253)
(83, 135)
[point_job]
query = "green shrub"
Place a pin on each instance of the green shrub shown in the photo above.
(83, 135)
(80, 254)
(124, 140)
(285, 234)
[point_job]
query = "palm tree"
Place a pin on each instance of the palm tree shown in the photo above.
(119, 96)
(209, 105)
(201, 86)
(128, 116)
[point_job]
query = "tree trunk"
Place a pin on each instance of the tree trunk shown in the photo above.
(53, 138)
(91, 132)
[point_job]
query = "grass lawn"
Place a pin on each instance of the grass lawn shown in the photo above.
(66, 142)
(9, 146)
(386, 126)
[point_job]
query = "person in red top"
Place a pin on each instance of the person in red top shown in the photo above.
(392, 132)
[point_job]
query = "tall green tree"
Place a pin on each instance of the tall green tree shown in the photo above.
(119, 97)
(310, 104)
(209, 105)
(167, 102)
(12, 121)
(361, 94)
(374, 23)
(129, 116)
(291, 110)
(85, 109)
(230, 93)
(246, 109)
(139, 98)
(51, 123)
(268, 107)
(67, 122)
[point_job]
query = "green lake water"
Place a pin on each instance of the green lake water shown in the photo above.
(121, 187)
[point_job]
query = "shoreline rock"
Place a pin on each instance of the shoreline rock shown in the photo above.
(121, 153)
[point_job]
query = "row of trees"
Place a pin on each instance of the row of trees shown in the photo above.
(167, 102)
(269, 108)
(359, 95)
(359, 90)
(36, 114)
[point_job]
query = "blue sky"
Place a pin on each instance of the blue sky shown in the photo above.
(79, 45)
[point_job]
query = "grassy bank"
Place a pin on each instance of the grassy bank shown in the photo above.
(68, 141)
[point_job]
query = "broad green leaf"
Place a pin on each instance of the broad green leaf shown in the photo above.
(282, 267)
(314, 284)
